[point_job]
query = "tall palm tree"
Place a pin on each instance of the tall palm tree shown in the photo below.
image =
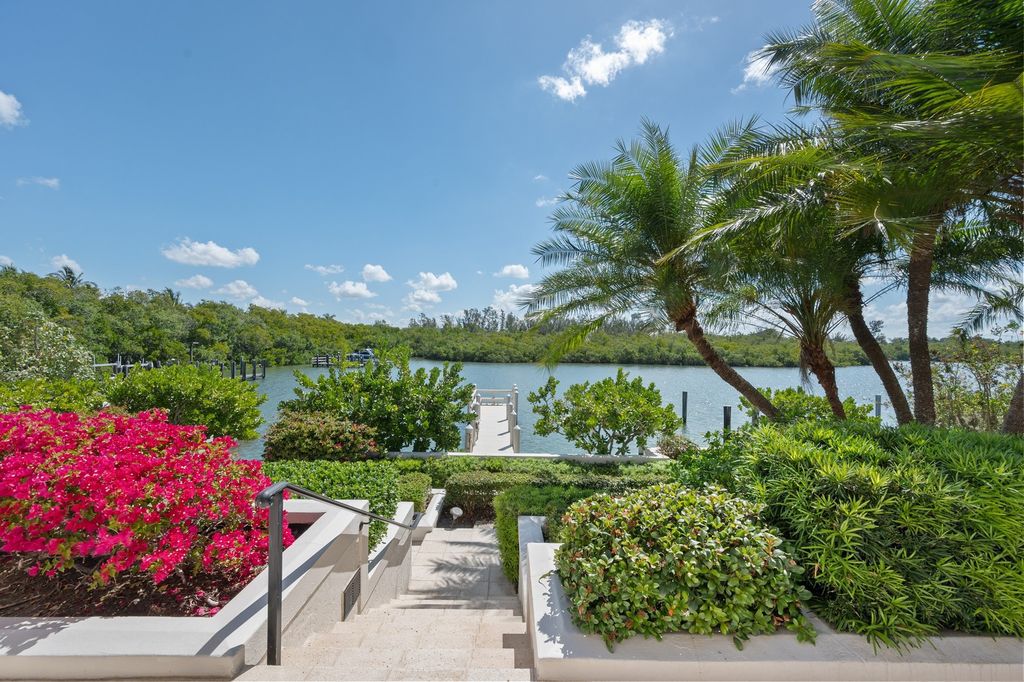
(615, 230)
(777, 188)
(930, 92)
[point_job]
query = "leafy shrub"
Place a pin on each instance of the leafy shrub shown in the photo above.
(714, 464)
(474, 490)
(607, 417)
(909, 530)
(974, 382)
(548, 501)
(376, 481)
(111, 500)
(676, 446)
(60, 395)
(796, 404)
(192, 395)
(414, 487)
(670, 559)
(317, 435)
(421, 409)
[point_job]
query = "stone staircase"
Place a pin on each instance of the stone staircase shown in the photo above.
(460, 620)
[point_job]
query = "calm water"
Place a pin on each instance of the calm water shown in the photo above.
(707, 393)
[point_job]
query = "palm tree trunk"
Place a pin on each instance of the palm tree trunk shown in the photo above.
(688, 323)
(919, 277)
(1014, 421)
(876, 356)
(825, 372)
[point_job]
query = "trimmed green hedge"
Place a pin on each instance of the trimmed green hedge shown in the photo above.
(671, 559)
(414, 487)
(376, 481)
(549, 501)
(317, 435)
(909, 531)
(474, 491)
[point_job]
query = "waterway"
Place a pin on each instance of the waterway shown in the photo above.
(707, 394)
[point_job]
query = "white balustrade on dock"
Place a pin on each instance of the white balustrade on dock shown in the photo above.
(496, 427)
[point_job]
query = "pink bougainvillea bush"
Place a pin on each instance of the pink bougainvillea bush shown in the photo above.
(133, 507)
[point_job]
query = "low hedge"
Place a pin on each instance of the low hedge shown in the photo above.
(318, 435)
(414, 487)
(376, 481)
(474, 491)
(548, 501)
(910, 530)
(670, 559)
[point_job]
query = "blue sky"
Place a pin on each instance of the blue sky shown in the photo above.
(368, 160)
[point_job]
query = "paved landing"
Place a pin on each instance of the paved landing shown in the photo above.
(494, 432)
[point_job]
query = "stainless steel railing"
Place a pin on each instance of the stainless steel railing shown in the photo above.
(273, 498)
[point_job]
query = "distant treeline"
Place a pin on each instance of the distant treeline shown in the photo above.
(157, 325)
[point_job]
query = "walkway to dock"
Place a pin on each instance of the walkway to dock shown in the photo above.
(496, 427)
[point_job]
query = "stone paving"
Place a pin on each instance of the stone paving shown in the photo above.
(460, 620)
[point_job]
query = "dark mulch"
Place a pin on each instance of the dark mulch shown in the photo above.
(68, 594)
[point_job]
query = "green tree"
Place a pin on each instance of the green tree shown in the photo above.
(32, 347)
(419, 409)
(608, 417)
(621, 229)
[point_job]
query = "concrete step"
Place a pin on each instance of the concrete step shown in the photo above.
(320, 654)
(290, 673)
(416, 601)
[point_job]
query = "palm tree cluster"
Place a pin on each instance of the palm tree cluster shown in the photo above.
(902, 165)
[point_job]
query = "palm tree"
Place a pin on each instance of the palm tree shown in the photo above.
(776, 191)
(69, 277)
(616, 229)
(927, 92)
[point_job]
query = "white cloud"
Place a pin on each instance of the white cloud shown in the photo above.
(509, 299)
(589, 64)
(540, 178)
(350, 289)
(295, 300)
(425, 290)
(195, 282)
(757, 73)
(562, 88)
(49, 183)
(210, 254)
(267, 303)
(432, 282)
(514, 270)
(62, 260)
(10, 111)
(239, 289)
(324, 270)
(5, 261)
(420, 299)
(375, 273)
(545, 201)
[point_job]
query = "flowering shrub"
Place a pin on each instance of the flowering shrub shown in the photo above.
(114, 498)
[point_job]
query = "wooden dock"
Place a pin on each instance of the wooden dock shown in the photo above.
(496, 427)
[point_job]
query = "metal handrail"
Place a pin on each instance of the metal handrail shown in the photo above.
(273, 498)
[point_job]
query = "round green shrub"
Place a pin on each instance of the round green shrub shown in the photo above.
(671, 559)
(320, 436)
(414, 487)
(192, 395)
